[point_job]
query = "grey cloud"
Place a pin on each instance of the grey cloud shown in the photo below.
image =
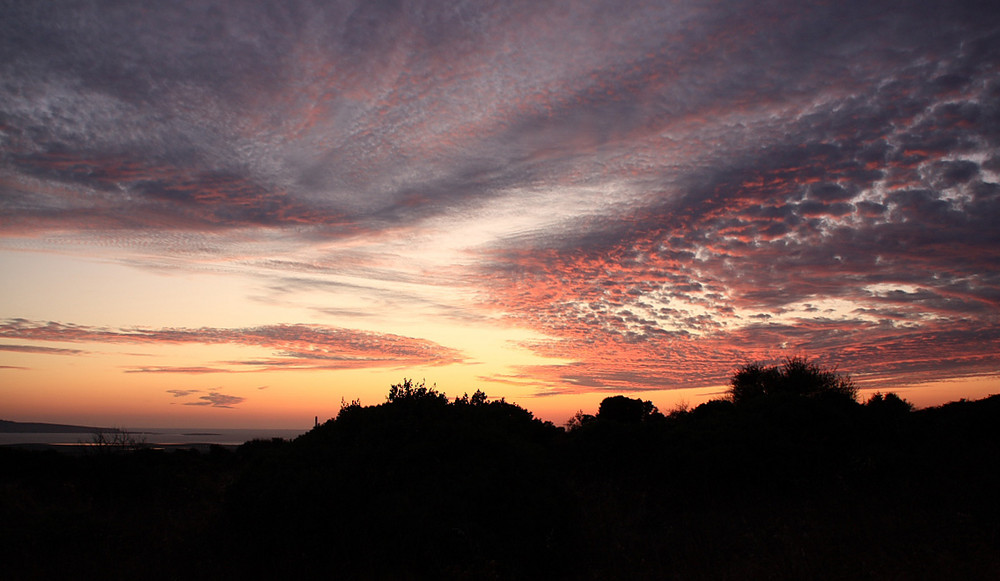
(870, 209)
(218, 400)
(830, 192)
(205, 85)
(41, 350)
(953, 173)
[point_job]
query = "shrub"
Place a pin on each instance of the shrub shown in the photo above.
(797, 376)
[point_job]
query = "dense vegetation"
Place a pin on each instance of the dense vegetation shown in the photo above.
(788, 478)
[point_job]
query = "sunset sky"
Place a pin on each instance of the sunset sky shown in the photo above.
(239, 214)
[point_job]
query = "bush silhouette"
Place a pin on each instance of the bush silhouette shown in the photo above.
(411, 391)
(889, 404)
(797, 376)
(626, 410)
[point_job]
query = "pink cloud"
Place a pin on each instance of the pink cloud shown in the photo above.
(295, 346)
(41, 350)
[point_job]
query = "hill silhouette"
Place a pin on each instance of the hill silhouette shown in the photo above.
(7, 426)
(790, 485)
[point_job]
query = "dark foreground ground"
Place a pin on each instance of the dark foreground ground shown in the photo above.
(423, 488)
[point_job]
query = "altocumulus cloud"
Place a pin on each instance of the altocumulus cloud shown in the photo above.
(659, 189)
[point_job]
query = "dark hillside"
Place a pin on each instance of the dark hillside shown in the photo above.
(788, 486)
(7, 426)
(416, 485)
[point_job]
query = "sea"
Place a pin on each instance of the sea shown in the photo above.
(156, 437)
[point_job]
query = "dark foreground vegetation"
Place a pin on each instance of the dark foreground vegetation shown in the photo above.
(789, 478)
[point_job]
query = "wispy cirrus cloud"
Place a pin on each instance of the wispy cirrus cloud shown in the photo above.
(294, 346)
(42, 350)
(177, 369)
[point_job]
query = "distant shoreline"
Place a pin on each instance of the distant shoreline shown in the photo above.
(83, 447)
(9, 427)
(70, 438)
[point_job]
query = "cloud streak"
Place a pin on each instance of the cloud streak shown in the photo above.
(294, 346)
(211, 399)
(41, 350)
(217, 400)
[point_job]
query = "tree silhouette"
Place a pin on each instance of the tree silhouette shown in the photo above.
(410, 390)
(797, 376)
(889, 403)
(477, 399)
(579, 420)
(626, 410)
(116, 440)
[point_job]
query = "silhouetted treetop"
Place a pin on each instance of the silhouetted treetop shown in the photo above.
(888, 403)
(478, 398)
(415, 415)
(796, 376)
(579, 420)
(626, 410)
(410, 390)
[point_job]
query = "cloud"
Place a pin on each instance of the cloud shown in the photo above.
(211, 399)
(845, 209)
(274, 120)
(659, 189)
(177, 369)
(217, 400)
(41, 350)
(295, 346)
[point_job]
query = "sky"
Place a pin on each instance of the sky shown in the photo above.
(243, 214)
